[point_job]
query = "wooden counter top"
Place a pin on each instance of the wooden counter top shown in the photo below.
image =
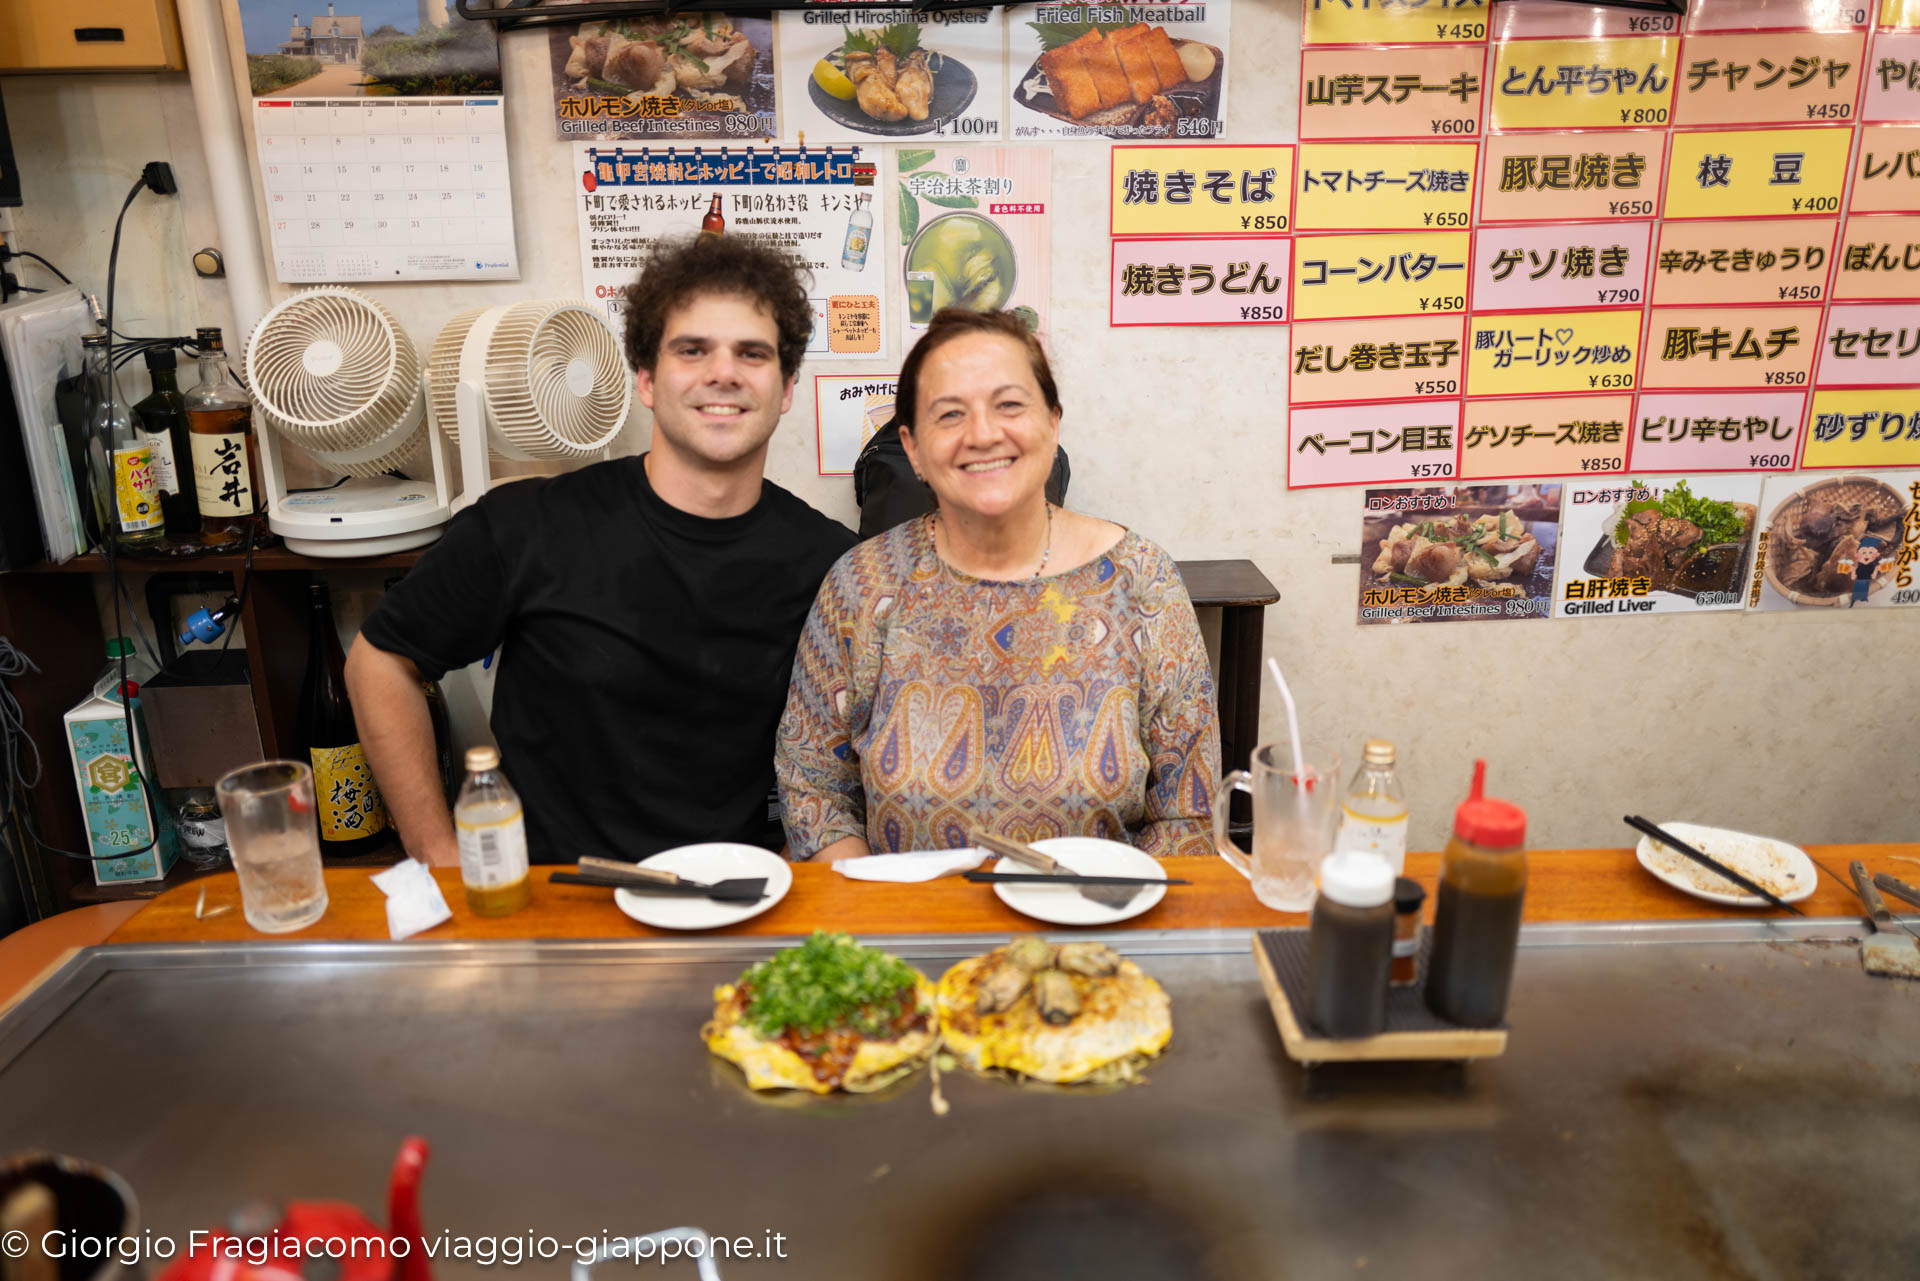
(1563, 886)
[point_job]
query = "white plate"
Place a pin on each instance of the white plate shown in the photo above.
(707, 863)
(1089, 856)
(1780, 867)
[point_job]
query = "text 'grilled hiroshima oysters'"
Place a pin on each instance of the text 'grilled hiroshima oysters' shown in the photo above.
(827, 1015)
(1064, 1012)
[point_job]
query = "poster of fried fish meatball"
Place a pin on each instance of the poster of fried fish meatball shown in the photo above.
(850, 74)
(1119, 71)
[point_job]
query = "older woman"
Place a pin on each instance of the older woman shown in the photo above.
(1001, 662)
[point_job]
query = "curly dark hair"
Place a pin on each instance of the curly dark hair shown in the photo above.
(678, 271)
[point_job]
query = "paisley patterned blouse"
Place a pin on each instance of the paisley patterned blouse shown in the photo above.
(926, 703)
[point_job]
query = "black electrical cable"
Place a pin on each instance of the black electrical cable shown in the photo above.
(22, 253)
(109, 548)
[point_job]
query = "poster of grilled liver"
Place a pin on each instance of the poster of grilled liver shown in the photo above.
(872, 75)
(1669, 545)
(1838, 541)
(1458, 553)
(1119, 71)
(693, 75)
(973, 231)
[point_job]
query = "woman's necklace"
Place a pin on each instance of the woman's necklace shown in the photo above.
(933, 536)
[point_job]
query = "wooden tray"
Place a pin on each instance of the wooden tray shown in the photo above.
(1413, 1031)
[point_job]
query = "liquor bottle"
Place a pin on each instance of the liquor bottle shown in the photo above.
(351, 814)
(492, 830)
(1373, 815)
(225, 465)
(714, 225)
(162, 419)
(128, 491)
(859, 237)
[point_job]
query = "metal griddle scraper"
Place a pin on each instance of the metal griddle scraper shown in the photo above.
(1889, 950)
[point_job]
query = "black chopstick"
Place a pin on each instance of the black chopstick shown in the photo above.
(1048, 878)
(1708, 862)
(639, 886)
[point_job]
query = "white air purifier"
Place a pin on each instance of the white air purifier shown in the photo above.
(535, 380)
(333, 372)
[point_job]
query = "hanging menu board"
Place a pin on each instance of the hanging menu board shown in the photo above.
(1542, 239)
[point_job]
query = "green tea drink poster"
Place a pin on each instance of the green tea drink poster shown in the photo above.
(973, 232)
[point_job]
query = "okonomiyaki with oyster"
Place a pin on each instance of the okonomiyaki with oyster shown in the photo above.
(827, 1015)
(1063, 1012)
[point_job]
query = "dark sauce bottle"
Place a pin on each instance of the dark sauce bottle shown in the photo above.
(1476, 928)
(1350, 944)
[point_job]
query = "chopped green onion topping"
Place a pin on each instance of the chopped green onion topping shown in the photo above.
(827, 982)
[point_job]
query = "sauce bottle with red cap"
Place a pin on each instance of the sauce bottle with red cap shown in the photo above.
(1476, 928)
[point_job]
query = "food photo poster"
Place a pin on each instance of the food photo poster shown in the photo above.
(694, 76)
(1838, 541)
(858, 75)
(1091, 71)
(972, 232)
(1458, 553)
(1664, 545)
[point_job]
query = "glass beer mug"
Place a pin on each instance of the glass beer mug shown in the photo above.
(1294, 810)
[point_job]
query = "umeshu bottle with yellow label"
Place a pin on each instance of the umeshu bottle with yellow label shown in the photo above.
(351, 815)
(493, 837)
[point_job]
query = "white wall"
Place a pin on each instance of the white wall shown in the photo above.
(1803, 725)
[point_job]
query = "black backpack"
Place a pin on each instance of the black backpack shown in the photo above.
(890, 494)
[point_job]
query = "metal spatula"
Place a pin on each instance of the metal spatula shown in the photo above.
(643, 880)
(1889, 950)
(1114, 896)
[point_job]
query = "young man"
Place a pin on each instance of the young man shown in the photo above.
(646, 608)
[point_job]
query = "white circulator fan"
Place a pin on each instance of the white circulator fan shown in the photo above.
(541, 379)
(334, 373)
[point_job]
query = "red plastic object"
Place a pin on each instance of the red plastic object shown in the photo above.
(1486, 821)
(226, 1256)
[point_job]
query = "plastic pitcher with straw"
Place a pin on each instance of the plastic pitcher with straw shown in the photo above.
(1295, 787)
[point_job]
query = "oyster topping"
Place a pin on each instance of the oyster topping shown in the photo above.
(1031, 952)
(1095, 960)
(1053, 993)
(1001, 987)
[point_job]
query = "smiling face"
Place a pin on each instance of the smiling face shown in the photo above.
(715, 388)
(982, 436)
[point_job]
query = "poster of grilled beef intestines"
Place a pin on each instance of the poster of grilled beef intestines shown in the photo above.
(1119, 71)
(698, 76)
(1459, 553)
(1662, 545)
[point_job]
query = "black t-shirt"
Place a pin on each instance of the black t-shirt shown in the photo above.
(645, 653)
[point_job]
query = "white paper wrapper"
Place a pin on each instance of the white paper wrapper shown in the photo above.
(414, 900)
(914, 865)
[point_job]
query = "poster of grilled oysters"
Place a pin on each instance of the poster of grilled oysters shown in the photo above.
(1665, 545)
(1119, 71)
(1837, 540)
(858, 75)
(1459, 553)
(693, 75)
